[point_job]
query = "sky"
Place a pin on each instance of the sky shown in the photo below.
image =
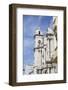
(30, 23)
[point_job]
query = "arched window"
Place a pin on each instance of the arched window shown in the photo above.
(38, 50)
(39, 42)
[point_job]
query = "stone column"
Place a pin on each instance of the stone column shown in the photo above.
(45, 56)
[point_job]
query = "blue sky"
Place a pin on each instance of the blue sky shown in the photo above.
(30, 23)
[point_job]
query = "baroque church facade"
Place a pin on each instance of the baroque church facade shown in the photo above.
(45, 51)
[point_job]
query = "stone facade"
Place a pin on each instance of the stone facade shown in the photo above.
(45, 51)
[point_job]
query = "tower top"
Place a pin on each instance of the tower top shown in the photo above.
(50, 31)
(37, 31)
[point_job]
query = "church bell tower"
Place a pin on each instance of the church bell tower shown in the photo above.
(38, 37)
